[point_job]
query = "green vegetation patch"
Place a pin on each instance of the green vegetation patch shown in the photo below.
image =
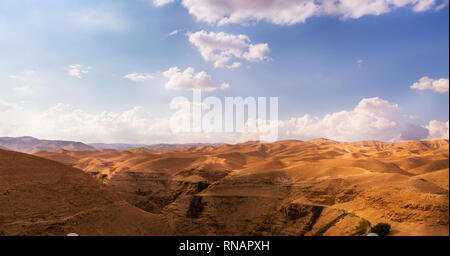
(324, 229)
(362, 228)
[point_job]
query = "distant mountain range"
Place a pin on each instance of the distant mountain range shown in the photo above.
(32, 145)
(116, 146)
(187, 145)
(119, 146)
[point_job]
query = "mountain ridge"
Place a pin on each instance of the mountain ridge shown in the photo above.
(32, 145)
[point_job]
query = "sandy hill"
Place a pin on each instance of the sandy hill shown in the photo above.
(43, 197)
(32, 145)
(118, 146)
(317, 187)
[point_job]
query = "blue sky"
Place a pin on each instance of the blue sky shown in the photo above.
(319, 66)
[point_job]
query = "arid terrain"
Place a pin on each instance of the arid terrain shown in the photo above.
(294, 188)
(43, 197)
(32, 145)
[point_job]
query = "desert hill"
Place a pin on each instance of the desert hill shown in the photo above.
(43, 197)
(118, 146)
(318, 187)
(32, 145)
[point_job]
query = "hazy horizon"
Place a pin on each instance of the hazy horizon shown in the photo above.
(213, 143)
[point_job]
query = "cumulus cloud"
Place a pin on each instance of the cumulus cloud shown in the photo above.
(234, 65)
(134, 125)
(77, 70)
(221, 47)
(256, 52)
(289, 12)
(424, 5)
(438, 130)
(139, 77)
(414, 132)
(437, 85)
(159, 3)
(189, 80)
(68, 122)
(372, 118)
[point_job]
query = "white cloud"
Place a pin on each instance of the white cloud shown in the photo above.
(222, 47)
(256, 52)
(442, 5)
(289, 12)
(438, 130)
(372, 118)
(424, 5)
(135, 125)
(159, 3)
(77, 70)
(413, 132)
(234, 65)
(188, 80)
(139, 77)
(176, 31)
(8, 106)
(437, 85)
(103, 18)
(68, 122)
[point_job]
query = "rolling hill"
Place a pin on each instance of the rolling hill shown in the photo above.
(43, 197)
(318, 187)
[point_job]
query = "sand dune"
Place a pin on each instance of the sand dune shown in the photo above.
(318, 187)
